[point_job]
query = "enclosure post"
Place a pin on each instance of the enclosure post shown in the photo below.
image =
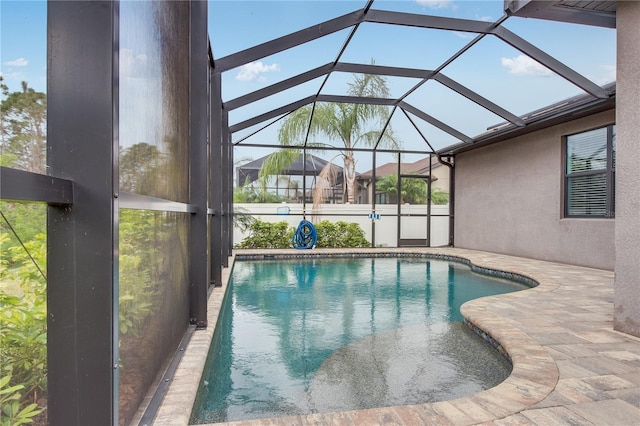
(452, 202)
(399, 210)
(429, 204)
(304, 183)
(198, 84)
(229, 196)
(215, 172)
(82, 259)
(373, 198)
(226, 188)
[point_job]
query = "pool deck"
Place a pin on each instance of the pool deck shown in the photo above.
(569, 365)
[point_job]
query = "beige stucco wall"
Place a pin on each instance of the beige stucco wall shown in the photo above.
(627, 267)
(441, 173)
(509, 200)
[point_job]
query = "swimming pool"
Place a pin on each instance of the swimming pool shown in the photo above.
(321, 335)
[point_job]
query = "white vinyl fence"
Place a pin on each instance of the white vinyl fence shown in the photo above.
(386, 228)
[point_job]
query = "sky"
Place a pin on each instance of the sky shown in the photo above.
(491, 67)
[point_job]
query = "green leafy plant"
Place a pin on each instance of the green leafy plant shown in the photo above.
(252, 194)
(14, 413)
(278, 235)
(267, 235)
(412, 190)
(23, 331)
(340, 234)
(439, 197)
(137, 288)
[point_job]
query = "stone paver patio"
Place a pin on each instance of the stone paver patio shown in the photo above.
(569, 366)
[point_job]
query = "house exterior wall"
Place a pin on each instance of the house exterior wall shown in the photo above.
(441, 173)
(509, 199)
(627, 233)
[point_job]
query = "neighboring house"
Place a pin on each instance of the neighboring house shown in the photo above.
(291, 186)
(439, 178)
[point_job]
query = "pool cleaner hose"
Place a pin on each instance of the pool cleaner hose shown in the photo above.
(305, 236)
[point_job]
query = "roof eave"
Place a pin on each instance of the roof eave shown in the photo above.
(571, 112)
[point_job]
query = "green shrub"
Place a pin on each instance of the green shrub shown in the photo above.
(14, 412)
(340, 234)
(267, 235)
(23, 326)
(278, 235)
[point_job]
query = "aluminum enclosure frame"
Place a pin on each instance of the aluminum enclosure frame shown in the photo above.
(82, 190)
(83, 138)
(367, 14)
(83, 197)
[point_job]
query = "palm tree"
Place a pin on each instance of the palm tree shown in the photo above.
(354, 125)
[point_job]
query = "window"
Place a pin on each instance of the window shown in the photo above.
(590, 173)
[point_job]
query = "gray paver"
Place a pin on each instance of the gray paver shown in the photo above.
(613, 412)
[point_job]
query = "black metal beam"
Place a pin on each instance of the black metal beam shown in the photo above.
(227, 191)
(550, 62)
(406, 114)
(286, 42)
(376, 70)
(435, 122)
(277, 87)
(305, 101)
(215, 176)
(355, 100)
(271, 114)
(82, 103)
(335, 148)
(382, 70)
(483, 102)
(572, 109)
(128, 200)
(319, 72)
(198, 160)
(19, 185)
(427, 21)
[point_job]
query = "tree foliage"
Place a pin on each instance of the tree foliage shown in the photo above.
(23, 129)
(23, 324)
(250, 194)
(439, 197)
(412, 190)
(139, 168)
(353, 125)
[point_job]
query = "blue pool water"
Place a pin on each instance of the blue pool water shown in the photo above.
(320, 335)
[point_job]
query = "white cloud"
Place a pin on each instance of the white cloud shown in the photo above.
(607, 75)
(20, 62)
(463, 35)
(13, 76)
(437, 4)
(132, 65)
(253, 71)
(524, 65)
(486, 18)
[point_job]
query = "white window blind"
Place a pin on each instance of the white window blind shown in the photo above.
(589, 172)
(587, 151)
(587, 195)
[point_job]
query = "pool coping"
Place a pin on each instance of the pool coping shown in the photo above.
(533, 380)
